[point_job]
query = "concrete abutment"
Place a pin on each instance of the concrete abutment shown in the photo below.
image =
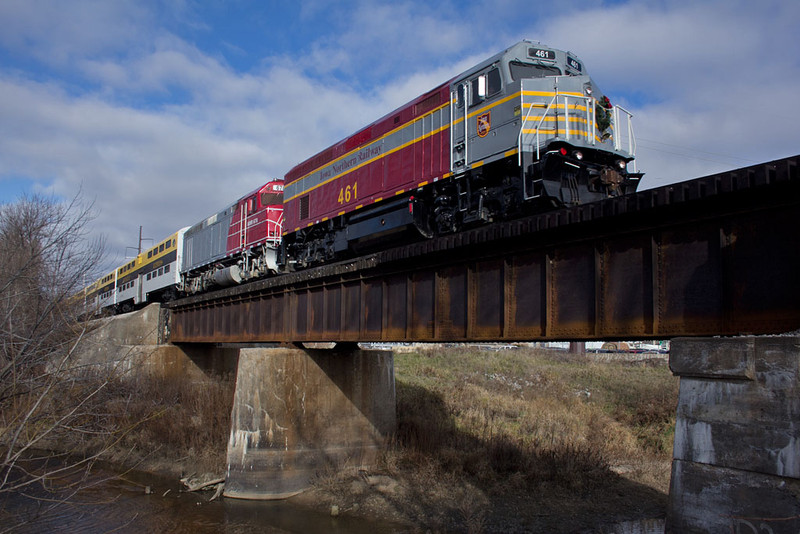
(736, 465)
(300, 412)
(133, 344)
(296, 412)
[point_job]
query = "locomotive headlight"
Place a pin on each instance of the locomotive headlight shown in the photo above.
(621, 164)
(587, 89)
(577, 155)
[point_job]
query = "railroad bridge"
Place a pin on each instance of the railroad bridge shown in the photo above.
(715, 256)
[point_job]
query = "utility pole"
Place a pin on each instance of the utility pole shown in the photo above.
(139, 248)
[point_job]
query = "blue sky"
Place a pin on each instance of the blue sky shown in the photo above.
(161, 113)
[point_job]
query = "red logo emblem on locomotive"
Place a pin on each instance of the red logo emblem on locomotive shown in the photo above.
(484, 124)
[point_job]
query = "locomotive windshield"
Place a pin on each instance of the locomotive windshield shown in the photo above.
(521, 70)
(271, 199)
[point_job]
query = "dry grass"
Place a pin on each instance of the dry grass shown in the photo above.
(538, 416)
(171, 421)
(528, 439)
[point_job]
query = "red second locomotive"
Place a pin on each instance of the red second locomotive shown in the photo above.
(237, 244)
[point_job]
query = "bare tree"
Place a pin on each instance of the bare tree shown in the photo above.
(46, 258)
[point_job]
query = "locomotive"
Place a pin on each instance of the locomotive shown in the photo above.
(237, 244)
(523, 131)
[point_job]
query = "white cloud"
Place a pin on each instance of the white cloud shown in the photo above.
(163, 133)
(142, 167)
(374, 44)
(173, 165)
(710, 82)
(55, 32)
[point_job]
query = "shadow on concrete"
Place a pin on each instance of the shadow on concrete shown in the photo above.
(367, 381)
(212, 361)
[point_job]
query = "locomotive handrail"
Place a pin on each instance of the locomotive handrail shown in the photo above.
(452, 110)
(277, 227)
(538, 126)
(618, 138)
(546, 113)
(620, 115)
(522, 128)
(467, 91)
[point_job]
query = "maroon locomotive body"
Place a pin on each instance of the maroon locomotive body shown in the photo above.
(388, 159)
(523, 131)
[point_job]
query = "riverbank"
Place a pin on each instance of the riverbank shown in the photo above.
(522, 440)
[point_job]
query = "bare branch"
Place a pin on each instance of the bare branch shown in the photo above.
(46, 257)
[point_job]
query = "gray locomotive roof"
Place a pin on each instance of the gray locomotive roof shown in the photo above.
(520, 51)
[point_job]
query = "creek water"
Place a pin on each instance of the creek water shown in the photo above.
(644, 526)
(135, 502)
(110, 502)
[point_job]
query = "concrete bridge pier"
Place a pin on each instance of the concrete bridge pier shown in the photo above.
(736, 466)
(297, 412)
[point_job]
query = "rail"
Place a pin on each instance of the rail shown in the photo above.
(522, 129)
(274, 227)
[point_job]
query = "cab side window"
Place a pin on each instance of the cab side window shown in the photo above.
(460, 96)
(493, 82)
(485, 86)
